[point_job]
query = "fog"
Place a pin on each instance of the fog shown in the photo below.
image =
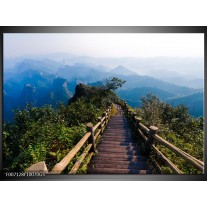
(106, 45)
(142, 53)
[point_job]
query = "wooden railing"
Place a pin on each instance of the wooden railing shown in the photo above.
(93, 132)
(150, 137)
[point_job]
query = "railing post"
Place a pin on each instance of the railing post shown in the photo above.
(100, 127)
(135, 114)
(127, 111)
(152, 131)
(137, 121)
(132, 117)
(125, 107)
(105, 114)
(107, 111)
(91, 139)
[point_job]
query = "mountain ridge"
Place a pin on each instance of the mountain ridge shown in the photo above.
(47, 84)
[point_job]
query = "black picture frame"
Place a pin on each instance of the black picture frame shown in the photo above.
(107, 29)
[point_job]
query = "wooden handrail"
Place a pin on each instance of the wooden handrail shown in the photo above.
(167, 161)
(80, 160)
(141, 127)
(83, 155)
(96, 126)
(59, 167)
(144, 127)
(179, 152)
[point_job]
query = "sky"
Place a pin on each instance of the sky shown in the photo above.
(105, 45)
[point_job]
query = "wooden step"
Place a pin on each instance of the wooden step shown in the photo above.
(118, 152)
(131, 153)
(118, 143)
(115, 135)
(120, 159)
(118, 156)
(117, 171)
(120, 162)
(137, 166)
(115, 147)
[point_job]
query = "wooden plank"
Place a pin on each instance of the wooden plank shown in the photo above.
(120, 162)
(142, 135)
(117, 139)
(96, 126)
(134, 166)
(119, 143)
(199, 161)
(157, 167)
(144, 127)
(80, 160)
(116, 171)
(59, 167)
(103, 146)
(113, 152)
(179, 152)
(103, 119)
(83, 155)
(106, 159)
(117, 156)
(173, 167)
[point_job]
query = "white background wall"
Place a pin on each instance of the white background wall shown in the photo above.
(103, 13)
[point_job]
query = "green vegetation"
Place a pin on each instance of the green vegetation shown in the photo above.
(176, 126)
(48, 134)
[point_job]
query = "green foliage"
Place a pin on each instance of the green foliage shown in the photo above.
(80, 111)
(113, 84)
(38, 134)
(48, 134)
(176, 126)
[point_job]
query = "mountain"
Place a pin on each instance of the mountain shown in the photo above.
(121, 70)
(147, 81)
(87, 73)
(34, 87)
(81, 72)
(133, 96)
(195, 103)
(43, 65)
(179, 79)
(50, 82)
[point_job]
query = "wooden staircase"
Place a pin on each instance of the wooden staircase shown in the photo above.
(118, 152)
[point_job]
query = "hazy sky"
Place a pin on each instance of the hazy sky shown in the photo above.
(105, 45)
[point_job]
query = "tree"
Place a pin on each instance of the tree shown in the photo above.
(113, 84)
(152, 107)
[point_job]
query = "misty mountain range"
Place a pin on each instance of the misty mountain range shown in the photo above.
(46, 81)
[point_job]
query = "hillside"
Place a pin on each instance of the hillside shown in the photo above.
(134, 95)
(33, 87)
(194, 102)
